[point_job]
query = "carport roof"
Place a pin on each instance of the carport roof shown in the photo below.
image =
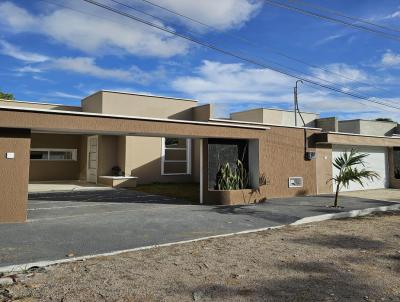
(86, 122)
(339, 138)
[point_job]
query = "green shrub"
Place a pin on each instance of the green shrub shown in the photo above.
(232, 178)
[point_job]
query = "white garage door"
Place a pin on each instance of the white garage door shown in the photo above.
(375, 161)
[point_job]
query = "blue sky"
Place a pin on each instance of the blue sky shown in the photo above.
(61, 51)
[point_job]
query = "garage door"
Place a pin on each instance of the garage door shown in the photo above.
(375, 161)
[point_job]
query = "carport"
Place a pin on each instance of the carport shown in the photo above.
(17, 124)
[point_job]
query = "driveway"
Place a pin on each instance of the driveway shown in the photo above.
(100, 221)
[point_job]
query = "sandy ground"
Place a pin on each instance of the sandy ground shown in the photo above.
(339, 260)
(379, 194)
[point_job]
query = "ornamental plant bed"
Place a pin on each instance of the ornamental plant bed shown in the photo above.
(237, 197)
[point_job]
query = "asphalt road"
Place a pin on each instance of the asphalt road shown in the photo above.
(92, 222)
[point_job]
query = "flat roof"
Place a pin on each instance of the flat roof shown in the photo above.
(275, 109)
(141, 94)
(39, 103)
(362, 135)
(365, 120)
(260, 124)
(129, 117)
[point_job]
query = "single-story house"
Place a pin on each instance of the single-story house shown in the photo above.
(120, 139)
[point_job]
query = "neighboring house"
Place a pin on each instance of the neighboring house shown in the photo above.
(162, 139)
(276, 117)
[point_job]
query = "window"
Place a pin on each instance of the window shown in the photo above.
(54, 154)
(175, 156)
(396, 164)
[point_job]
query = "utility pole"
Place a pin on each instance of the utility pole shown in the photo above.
(296, 104)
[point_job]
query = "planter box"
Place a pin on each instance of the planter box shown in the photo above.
(118, 181)
(236, 197)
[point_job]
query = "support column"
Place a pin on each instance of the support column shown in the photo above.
(201, 172)
(14, 174)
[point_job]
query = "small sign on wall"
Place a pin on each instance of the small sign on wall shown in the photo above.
(10, 155)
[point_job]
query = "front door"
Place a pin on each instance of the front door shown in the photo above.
(92, 148)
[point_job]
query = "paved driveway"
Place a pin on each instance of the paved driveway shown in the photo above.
(92, 222)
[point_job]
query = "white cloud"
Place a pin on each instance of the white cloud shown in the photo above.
(85, 65)
(221, 14)
(340, 73)
(215, 79)
(66, 95)
(28, 69)
(236, 85)
(393, 15)
(109, 34)
(16, 18)
(390, 59)
(15, 52)
(82, 65)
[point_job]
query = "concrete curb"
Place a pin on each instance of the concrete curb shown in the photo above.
(318, 218)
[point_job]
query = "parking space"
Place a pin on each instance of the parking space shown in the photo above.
(77, 203)
(90, 222)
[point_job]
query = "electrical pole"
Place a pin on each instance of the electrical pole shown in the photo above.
(296, 104)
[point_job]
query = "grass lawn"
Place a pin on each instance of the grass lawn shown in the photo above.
(186, 191)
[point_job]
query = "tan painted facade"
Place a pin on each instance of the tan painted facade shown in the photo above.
(142, 155)
(285, 149)
(14, 174)
(129, 129)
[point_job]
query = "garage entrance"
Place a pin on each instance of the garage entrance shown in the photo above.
(377, 160)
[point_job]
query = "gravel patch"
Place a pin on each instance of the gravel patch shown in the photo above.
(337, 260)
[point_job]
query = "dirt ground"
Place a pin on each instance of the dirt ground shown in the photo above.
(338, 260)
(379, 194)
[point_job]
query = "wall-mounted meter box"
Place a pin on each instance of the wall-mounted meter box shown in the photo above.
(10, 155)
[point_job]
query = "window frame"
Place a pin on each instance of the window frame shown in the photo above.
(188, 159)
(74, 153)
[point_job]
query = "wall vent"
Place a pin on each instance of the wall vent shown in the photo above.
(295, 182)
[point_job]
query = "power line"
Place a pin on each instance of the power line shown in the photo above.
(239, 37)
(267, 60)
(341, 14)
(331, 19)
(232, 54)
(244, 39)
(163, 20)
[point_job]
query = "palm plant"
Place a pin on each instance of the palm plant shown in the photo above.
(347, 164)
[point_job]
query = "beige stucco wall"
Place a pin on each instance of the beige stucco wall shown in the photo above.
(56, 169)
(143, 160)
(324, 169)
(274, 117)
(367, 127)
(377, 127)
(19, 104)
(138, 105)
(138, 155)
(327, 124)
(202, 113)
(287, 118)
(254, 115)
(14, 174)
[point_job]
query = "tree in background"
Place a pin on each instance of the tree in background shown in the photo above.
(384, 119)
(347, 163)
(6, 96)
